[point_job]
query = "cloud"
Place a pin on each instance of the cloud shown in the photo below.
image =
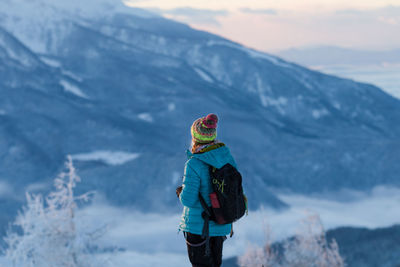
(363, 24)
(390, 9)
(136, 232)
(267, 11)
(389, 20)
(386, 15)
(373, 28)
(193, 15)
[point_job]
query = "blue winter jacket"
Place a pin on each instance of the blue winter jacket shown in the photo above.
(197, 179)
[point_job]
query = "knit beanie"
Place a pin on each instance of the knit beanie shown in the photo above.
(204, 130)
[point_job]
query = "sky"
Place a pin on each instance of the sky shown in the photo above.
(272, 25)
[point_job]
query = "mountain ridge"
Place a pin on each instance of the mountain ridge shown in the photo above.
(331, 55)
(132, 85)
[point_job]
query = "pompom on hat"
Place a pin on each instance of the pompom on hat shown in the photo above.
(204, 130)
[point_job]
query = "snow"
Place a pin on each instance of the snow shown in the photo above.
(217, 70)
(318, 113)
(337, 105)
(109, 157)
(264, 99)
(51, 62)
(203, 75)
(41, 23)
(256, 54)
(68, 87)
(71, 75)
(17, 54)
(171, 106)
(92, 8)
(29, 21)
(264, 90)
(252, 53)
(305, 79)
(146, 117)
(278, 103)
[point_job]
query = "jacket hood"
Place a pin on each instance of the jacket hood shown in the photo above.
(217, 157)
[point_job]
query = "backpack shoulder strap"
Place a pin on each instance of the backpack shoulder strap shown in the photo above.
(206, 214)
(204, 205)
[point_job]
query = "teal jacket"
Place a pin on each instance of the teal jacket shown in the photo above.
(197, 179)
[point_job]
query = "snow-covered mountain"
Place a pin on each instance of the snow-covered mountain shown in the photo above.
(42, 24)
(118, 88)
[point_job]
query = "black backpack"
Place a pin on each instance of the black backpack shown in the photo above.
(227, 199)
(228, 202)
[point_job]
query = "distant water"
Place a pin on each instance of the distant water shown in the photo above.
(387, 77)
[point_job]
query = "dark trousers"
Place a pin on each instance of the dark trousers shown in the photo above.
(197, 254)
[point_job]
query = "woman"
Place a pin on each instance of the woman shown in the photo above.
(205, 151)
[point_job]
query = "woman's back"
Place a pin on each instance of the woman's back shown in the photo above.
(197, 179)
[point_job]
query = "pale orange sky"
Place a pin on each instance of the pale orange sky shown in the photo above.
(285, 4)
(272, 25)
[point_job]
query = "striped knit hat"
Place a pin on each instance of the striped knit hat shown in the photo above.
(204, 130)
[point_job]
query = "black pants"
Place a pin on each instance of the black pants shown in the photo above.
(197, 253)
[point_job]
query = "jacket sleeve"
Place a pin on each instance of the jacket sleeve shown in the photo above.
(190, 186)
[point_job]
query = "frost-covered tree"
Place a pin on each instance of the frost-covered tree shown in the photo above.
(309, 248)
(257, 257)
(46, 233)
